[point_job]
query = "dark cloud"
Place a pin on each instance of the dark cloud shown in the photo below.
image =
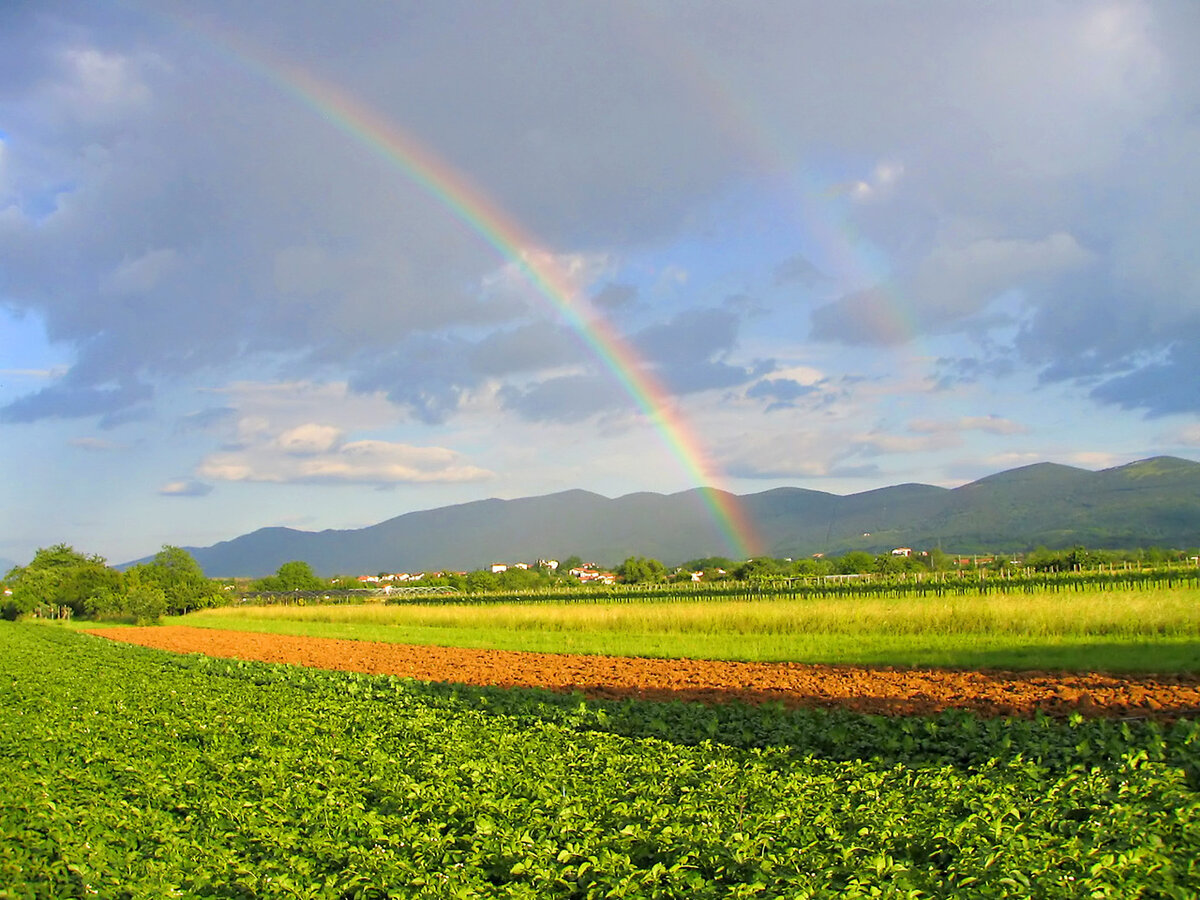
(871, 317)
(167, 213)
(429, 377)
(67, 401)
(528, 348)
(213, 417)
(687, 351)
(570, 398)
(783, 391)
(1161, 389)
(800, 270)
(952, 372)
(688, 336)
(613, 297)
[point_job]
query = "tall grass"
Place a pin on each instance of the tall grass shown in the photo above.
(1130, 614)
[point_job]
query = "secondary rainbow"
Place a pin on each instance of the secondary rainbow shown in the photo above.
(475, 209)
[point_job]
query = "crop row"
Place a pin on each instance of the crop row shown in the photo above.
(135, 773)
(897, 586)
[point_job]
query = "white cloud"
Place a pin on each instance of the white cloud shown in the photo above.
(358, 462)
(278, 406)
(881, 444)
(885, 174)
(96, 445)
(990, 424)
(1185, 436)
(296, 432)
(185, 488)
(308, 440)
(568, 276)
(101, 86)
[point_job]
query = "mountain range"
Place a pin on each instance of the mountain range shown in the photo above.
(1151, 502)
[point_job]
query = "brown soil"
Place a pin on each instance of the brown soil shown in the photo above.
(892, 691)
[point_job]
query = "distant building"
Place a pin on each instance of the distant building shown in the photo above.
(902, 551)
(497, 568)
(592, 576)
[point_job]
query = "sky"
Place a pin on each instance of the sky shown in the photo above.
(318, 265)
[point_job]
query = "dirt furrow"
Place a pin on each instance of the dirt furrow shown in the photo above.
(891, 691)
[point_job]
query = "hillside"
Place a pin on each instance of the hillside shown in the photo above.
(1154, 501)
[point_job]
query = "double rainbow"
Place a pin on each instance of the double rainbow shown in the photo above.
(477, 211)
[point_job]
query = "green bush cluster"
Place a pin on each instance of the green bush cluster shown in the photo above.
(60, 582)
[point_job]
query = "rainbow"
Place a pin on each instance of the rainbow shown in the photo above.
(477, 211)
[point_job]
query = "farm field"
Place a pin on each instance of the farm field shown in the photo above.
(887, 691)
(143, 773)
(1150, 630)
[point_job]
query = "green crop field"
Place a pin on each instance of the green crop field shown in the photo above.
(1155, 629)
(135, 773)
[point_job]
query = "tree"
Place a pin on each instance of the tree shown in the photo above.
(640, 570)
(887, 564)
(855, 562)
(144, 599)
(183, 583)
(59, 577)
(291, 576)
(759, 567)
(940, 561)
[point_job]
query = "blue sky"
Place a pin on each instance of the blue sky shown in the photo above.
(862, 244)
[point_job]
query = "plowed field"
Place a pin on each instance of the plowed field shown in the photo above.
(891, 691)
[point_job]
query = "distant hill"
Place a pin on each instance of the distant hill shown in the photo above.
(1151, 502)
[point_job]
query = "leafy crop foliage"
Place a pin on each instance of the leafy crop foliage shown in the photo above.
(135, 773)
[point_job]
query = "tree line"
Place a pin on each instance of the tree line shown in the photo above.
(60, 582)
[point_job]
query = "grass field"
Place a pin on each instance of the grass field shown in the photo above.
(1148, 631)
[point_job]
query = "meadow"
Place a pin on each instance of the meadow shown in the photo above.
(137, 773)
(1155, 629)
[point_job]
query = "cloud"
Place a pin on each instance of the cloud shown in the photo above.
(1162, 388)
(991, 424)
(783, 391)
(275, 441)
(309, 440)
(799, 269)
(143, 274)
(66, 400)
(566, 398)
(96, 445)
(950, 284)
(883, 176)
(882, 444)
(211, 222)
(817, 453)
(206, 419)
(185, 488)
(952, 372)
(1185, 436)
(288, 461)
(614, 296)
(530, 347)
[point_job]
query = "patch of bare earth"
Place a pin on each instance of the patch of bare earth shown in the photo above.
(890, 691)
